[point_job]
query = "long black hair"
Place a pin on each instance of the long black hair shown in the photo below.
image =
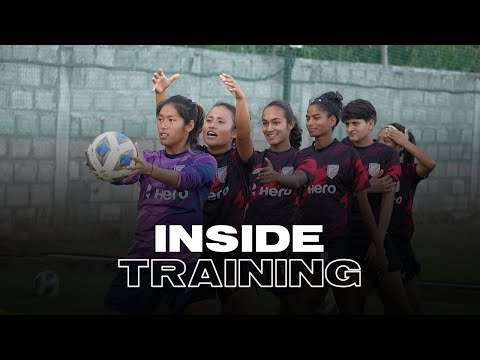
(296, 132)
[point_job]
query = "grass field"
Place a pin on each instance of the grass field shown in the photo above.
(447, 254)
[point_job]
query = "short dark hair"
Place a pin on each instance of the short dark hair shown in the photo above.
(359, 109)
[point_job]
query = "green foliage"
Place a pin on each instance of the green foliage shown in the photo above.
(447, 57)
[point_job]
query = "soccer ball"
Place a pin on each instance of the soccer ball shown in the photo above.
(109, 154)
(46, 283)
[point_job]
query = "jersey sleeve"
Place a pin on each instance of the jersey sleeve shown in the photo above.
(410, 172)
(308, 165)
(200, 172)
(392, 165)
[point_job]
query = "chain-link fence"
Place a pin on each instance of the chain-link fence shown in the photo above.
(445, 57)
(51, 109)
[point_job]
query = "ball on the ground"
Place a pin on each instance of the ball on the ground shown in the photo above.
(46, 283)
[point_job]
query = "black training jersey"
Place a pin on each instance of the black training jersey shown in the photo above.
(228, 195)
(338, 172)
(271, 203)
(401, 223)
(375, 157)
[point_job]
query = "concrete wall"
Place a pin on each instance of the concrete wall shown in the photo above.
(55, 99)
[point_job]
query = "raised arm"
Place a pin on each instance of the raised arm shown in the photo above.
(160, 85)
(244, 143)
(426, 163)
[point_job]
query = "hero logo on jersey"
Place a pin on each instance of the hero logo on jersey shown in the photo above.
(287, 170)
(332, 170)
(165, 194)
(373, 169)
(222, 174)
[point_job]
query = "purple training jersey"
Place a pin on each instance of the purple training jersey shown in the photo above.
(374, 157)
(228, 196)
(401, 223)
(181, 204)
(338, 172)
(271, 203)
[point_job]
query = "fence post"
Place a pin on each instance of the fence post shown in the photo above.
(384, 49)
(62, 143)
(290, 56)
(474, 169)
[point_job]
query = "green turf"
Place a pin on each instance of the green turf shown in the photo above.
(81, 288)
(448, 253)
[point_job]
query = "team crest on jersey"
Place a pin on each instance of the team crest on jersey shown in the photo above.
(332, 170)
(222, 174)
(179, 167)
(287, 170)
(397, 189)
(373, 169)
(256, 171)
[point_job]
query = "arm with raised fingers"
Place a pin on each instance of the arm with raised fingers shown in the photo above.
(244, 142)
(160, 85)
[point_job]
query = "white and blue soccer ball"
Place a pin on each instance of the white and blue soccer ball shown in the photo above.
(46, 283)
(109, 154)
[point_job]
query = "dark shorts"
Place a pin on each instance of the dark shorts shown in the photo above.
(359, 245)
(145, 298)
(410, 267)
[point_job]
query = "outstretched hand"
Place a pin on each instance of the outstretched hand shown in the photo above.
(268, 174)
(232, 86)
(161, 82)
(141, 165)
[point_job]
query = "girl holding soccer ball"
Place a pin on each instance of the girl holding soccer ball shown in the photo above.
(175, 183)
